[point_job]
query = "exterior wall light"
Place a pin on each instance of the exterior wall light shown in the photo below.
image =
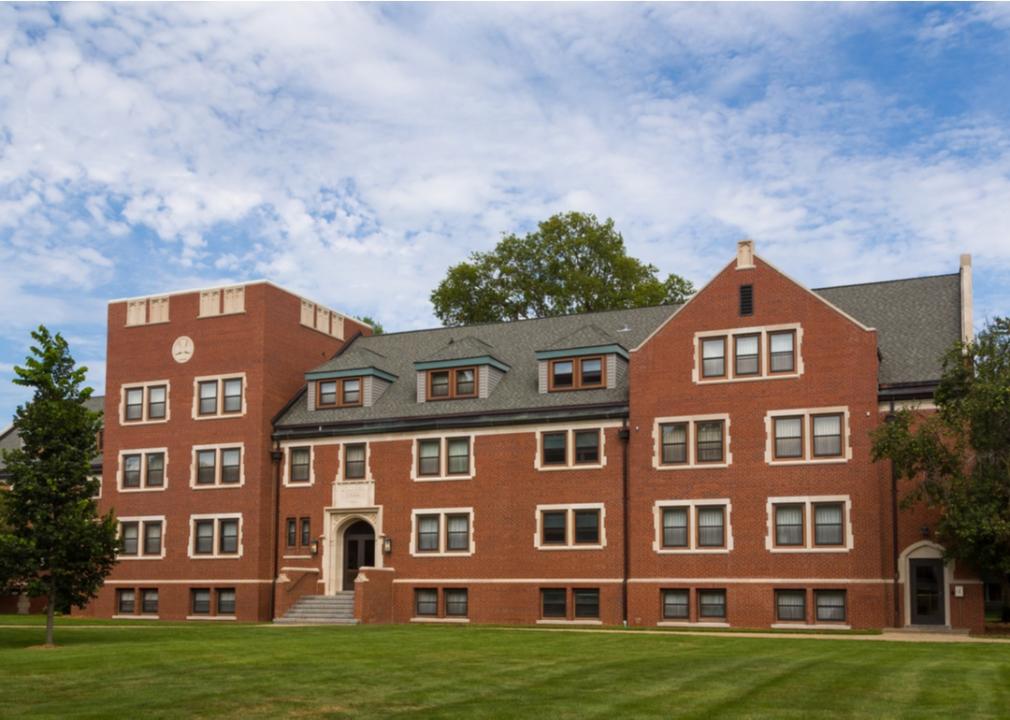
(315, 547)
(387, 545)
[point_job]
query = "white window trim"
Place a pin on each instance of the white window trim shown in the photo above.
(443, 535)
(193, 468)
(342, 458)
(570, 463)
(141, 521)
(692, 448)
(570, 543)
(145, 385)
(143, 452)
(729, 358)
(808, 502)
(216, 554)
(808, 436)
(443, 459)
(286, 475)
(219, 415)
(692, 526)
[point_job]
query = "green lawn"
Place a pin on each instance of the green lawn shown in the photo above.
(253, 671)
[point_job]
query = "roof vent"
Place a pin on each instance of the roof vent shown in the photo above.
(746, 300)
(624, 328)
(745, 255)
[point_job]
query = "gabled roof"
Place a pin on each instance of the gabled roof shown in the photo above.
(588, 335)
(456, 351)
(10, 440)
(356, 356)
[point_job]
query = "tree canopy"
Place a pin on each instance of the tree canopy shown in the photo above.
(571, 263)
(959, 457)
(52, 541)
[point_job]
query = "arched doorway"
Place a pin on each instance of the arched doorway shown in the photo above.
(359, 551)
(926, 577)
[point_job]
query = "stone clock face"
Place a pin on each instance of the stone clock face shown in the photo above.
(182, 349)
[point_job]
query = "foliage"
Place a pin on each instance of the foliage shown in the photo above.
(377, 328)
(571, 263)
(52, 542)
(959, 457)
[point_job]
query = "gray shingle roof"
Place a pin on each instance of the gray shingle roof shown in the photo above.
(917, 320)
(513, 343)
(9, 439)
(460, 349)
(587, 335)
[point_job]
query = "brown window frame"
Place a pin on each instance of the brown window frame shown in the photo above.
(543, 449)
(841, 435)
(340, 396)
(575, 526)
(697, 440)
(364, 461)
(143, 539)
(199, 398)
(686, 617)
(122, 537)
(307, 465)
(291, 532)
(686, 510)
(121, 594)
(565, 609)
(736, 355)
(223, 403)
(841, 522)
(144, 595)
(140, 471)
(803, 525)
(725, 604)
(305, 531)
(698, 544)
(453, 383)
(448, 457)
(577, 381)
(417, 604)
(803, 437)
(781, 592)
(771, 370)
(543, 528)
(438, 471)
(438, 534)
(466, 602)
(687, 443)
(702, 375)
(575, 446)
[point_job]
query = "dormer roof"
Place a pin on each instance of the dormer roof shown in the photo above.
(460, 352)
(355, 361)
(587, 339)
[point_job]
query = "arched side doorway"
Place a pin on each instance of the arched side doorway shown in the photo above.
(926, 578)
(359, 551)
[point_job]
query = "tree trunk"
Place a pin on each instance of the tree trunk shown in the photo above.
(50, 611)
(1005, 586)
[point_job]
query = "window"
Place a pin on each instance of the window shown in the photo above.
(206, 464)
(200, 601)
(576, 373)
(351, 391)
(155, 476)
(219, 396)
(713, 357)
(587, 527)
(300, 465)
(587, 447)
(710, 441)
(152, 538)
(456, 452)
(129, 532)
(553, 603)
(712, 604)
(126, 602)
(458, 456)
(131, 471)
(232, 395)
(204, 537)
(344, 392)
(827, 435)
(156, 397)
(427, 533)
(555, 450)
(748, 353)
(208, 398)
(143, 470)
(675, 531)
(789, 525)
(149, 601)
(354, 461)
(746, 300)
(788, 437)
(675, 605)
(781, 352)
(140, 537)
(134, 404)
(674, 443)
(426, 602)
(292, 532)
(230, 460)
(830, 605)
(145, 403)
(429, 457)
(219, 466)
(711, 527)
(452, 383)
(228, 540)
(791, 605)
(587, 602)
(455, 602)
(218, 536)
(555, 530)
(828, 524)
(327, 393)
(226, 601)
(570, 527)
(457, 532)
(442, 532)
(306, 526)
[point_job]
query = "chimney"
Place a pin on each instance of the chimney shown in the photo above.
(967, 321)
(745, 255)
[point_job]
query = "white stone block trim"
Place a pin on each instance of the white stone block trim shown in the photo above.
(692, 526)
(570, 463)
(570, 543)
(215, 554)
(285, 467)
(342, 461)
(141, 521)
(145, 384)
(143, 452)
(808, 502)
(443, 458)
(763, 346)
(193, 468)
(692, 445)
(443, 535)
(808, 436)
(195, 410)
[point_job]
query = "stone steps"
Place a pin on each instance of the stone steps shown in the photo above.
(335, 609)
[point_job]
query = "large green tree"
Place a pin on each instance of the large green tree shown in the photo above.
(53, 543)
(958, 459)
(571, 263)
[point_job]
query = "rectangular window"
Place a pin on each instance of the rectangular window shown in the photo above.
(576, 373)
(200, 601)
(555, 448)
(455, 602)
(134, 405)
(226, 601)
(345, 392)
(458, 455)
(306, 526)
(155, 475)
(562, 374)
(208, 398)
(129, 535)
(228, 544)
(149, 601)
(439, 384)
(781, 351)
(713, 357)
(587, 527)
(354, 461)
(674, 443)
(152, 538)
(710, 434)
(711, 527)
(828, 524)
(230, 462)
(591, 372)
(457, 532)
(587, 447)
(675, 527)
(156, 402)
(712, 603)
(453, 383)
(791, 605)
(788, 437)
(204, 538)
(429, 457)
(131, 471)
(292, 532)
(299, 471)
(789, 525)
(555, 527)
(466, 382)
(748, 354)
(351, 392)
(587, 602)
(327, 393)
(553, 603)
(232, 395)
(126, 602)
(830, 605)
(827, 435)
(675, 605)
(426, 602)
(427, 533)
(206, 467)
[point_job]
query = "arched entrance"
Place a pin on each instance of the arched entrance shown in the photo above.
(359, 551)
(926, 577)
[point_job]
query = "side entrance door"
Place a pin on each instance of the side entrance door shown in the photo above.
(927, 591)
(359, 551)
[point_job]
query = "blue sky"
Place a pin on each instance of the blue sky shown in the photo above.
(354, 152)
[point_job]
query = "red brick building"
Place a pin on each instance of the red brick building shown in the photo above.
(704, 464)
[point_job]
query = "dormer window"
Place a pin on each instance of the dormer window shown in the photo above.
(345, 392)
(577, 373)
(453, 383)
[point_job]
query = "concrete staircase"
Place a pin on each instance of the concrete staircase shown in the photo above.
(335, 609)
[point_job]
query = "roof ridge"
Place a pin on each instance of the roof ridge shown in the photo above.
(885, 282)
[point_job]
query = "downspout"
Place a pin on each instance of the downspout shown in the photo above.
(275, 458)
(890, 417)
(624, 434)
